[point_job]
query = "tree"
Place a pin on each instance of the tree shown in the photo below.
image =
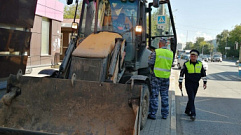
(234, 36)
(201, 45)
(208, 48)
(198, 45)
(69, 11)
(222, 41)
(189, 46)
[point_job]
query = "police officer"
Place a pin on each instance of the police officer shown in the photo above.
(160, 63)
(193, 71)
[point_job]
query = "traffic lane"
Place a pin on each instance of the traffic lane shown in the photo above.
(221, 66)
(215, 116)
(216, 109)
(223, 71)
(224, 76)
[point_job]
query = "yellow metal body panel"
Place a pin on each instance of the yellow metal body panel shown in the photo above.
(97, 45)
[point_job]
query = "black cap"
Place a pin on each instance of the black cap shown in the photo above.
(194, 52)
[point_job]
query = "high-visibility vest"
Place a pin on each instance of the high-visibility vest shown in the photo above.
(163, 63)
(193, 69)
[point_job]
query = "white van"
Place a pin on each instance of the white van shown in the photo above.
(186, 57)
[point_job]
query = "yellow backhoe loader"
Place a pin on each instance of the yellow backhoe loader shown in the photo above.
(102, 86)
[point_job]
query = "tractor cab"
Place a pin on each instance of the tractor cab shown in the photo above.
(140, 24)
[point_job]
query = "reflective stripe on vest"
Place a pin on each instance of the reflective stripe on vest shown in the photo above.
(160, 69)
(194, 69)
(163, 63)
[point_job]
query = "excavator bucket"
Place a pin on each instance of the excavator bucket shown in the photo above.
(71, 107)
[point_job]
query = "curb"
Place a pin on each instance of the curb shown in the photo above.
(173, 124)
(173, 114)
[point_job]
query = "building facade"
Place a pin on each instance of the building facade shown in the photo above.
(46, 34)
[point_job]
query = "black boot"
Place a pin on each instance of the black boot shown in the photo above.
(192, 117)
(188, 113)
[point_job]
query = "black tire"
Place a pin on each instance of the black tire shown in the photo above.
(145, 106)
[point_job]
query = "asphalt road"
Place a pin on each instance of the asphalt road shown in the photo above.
(218, 107)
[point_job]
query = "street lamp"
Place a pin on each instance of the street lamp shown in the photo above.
(239, 63)
(226, 46)
(202, 49)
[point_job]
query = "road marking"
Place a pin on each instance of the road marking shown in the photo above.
(211, 77)
(223, 122)
(223, 77)
(236, 77)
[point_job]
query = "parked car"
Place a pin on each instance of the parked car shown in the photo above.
(182, 60)
(205, 58)
(217, 58)
(209, 57)
(205, 64)
(186, 57)
(237, 62)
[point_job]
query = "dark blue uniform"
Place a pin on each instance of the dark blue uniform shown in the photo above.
(191, 84)
(158, 85)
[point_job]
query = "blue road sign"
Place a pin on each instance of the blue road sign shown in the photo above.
(161, 19)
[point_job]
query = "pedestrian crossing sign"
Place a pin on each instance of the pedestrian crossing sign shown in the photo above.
(161, 19)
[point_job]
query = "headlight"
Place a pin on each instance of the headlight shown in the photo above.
(74, 25)
(138, 30)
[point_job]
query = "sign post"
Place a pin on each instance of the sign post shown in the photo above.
(161, 21)
(239, 64)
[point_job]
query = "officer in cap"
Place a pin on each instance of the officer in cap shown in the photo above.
(193, 71)
(160, 63)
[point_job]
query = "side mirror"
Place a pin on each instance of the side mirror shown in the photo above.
(156, 3)
(69, 2)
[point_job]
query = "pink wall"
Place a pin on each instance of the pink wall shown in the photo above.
(52, 9)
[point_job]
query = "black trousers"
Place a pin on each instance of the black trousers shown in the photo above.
(191, 88)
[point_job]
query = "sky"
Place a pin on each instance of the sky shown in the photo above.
(203, 18)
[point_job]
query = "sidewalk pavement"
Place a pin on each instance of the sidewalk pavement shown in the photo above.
(164, 126)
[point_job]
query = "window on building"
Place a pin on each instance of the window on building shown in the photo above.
(45, 44)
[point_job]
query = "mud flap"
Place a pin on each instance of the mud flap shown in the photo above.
(81, 107)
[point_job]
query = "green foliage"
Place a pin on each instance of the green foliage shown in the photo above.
(201, 45)
(69, 11)
(189, 46)
(228, 39)
(222, 41)
(234, 36)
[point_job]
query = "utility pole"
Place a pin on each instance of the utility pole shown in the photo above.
(202, 49)
(239, 63)
(186, 37)
(226, 46)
